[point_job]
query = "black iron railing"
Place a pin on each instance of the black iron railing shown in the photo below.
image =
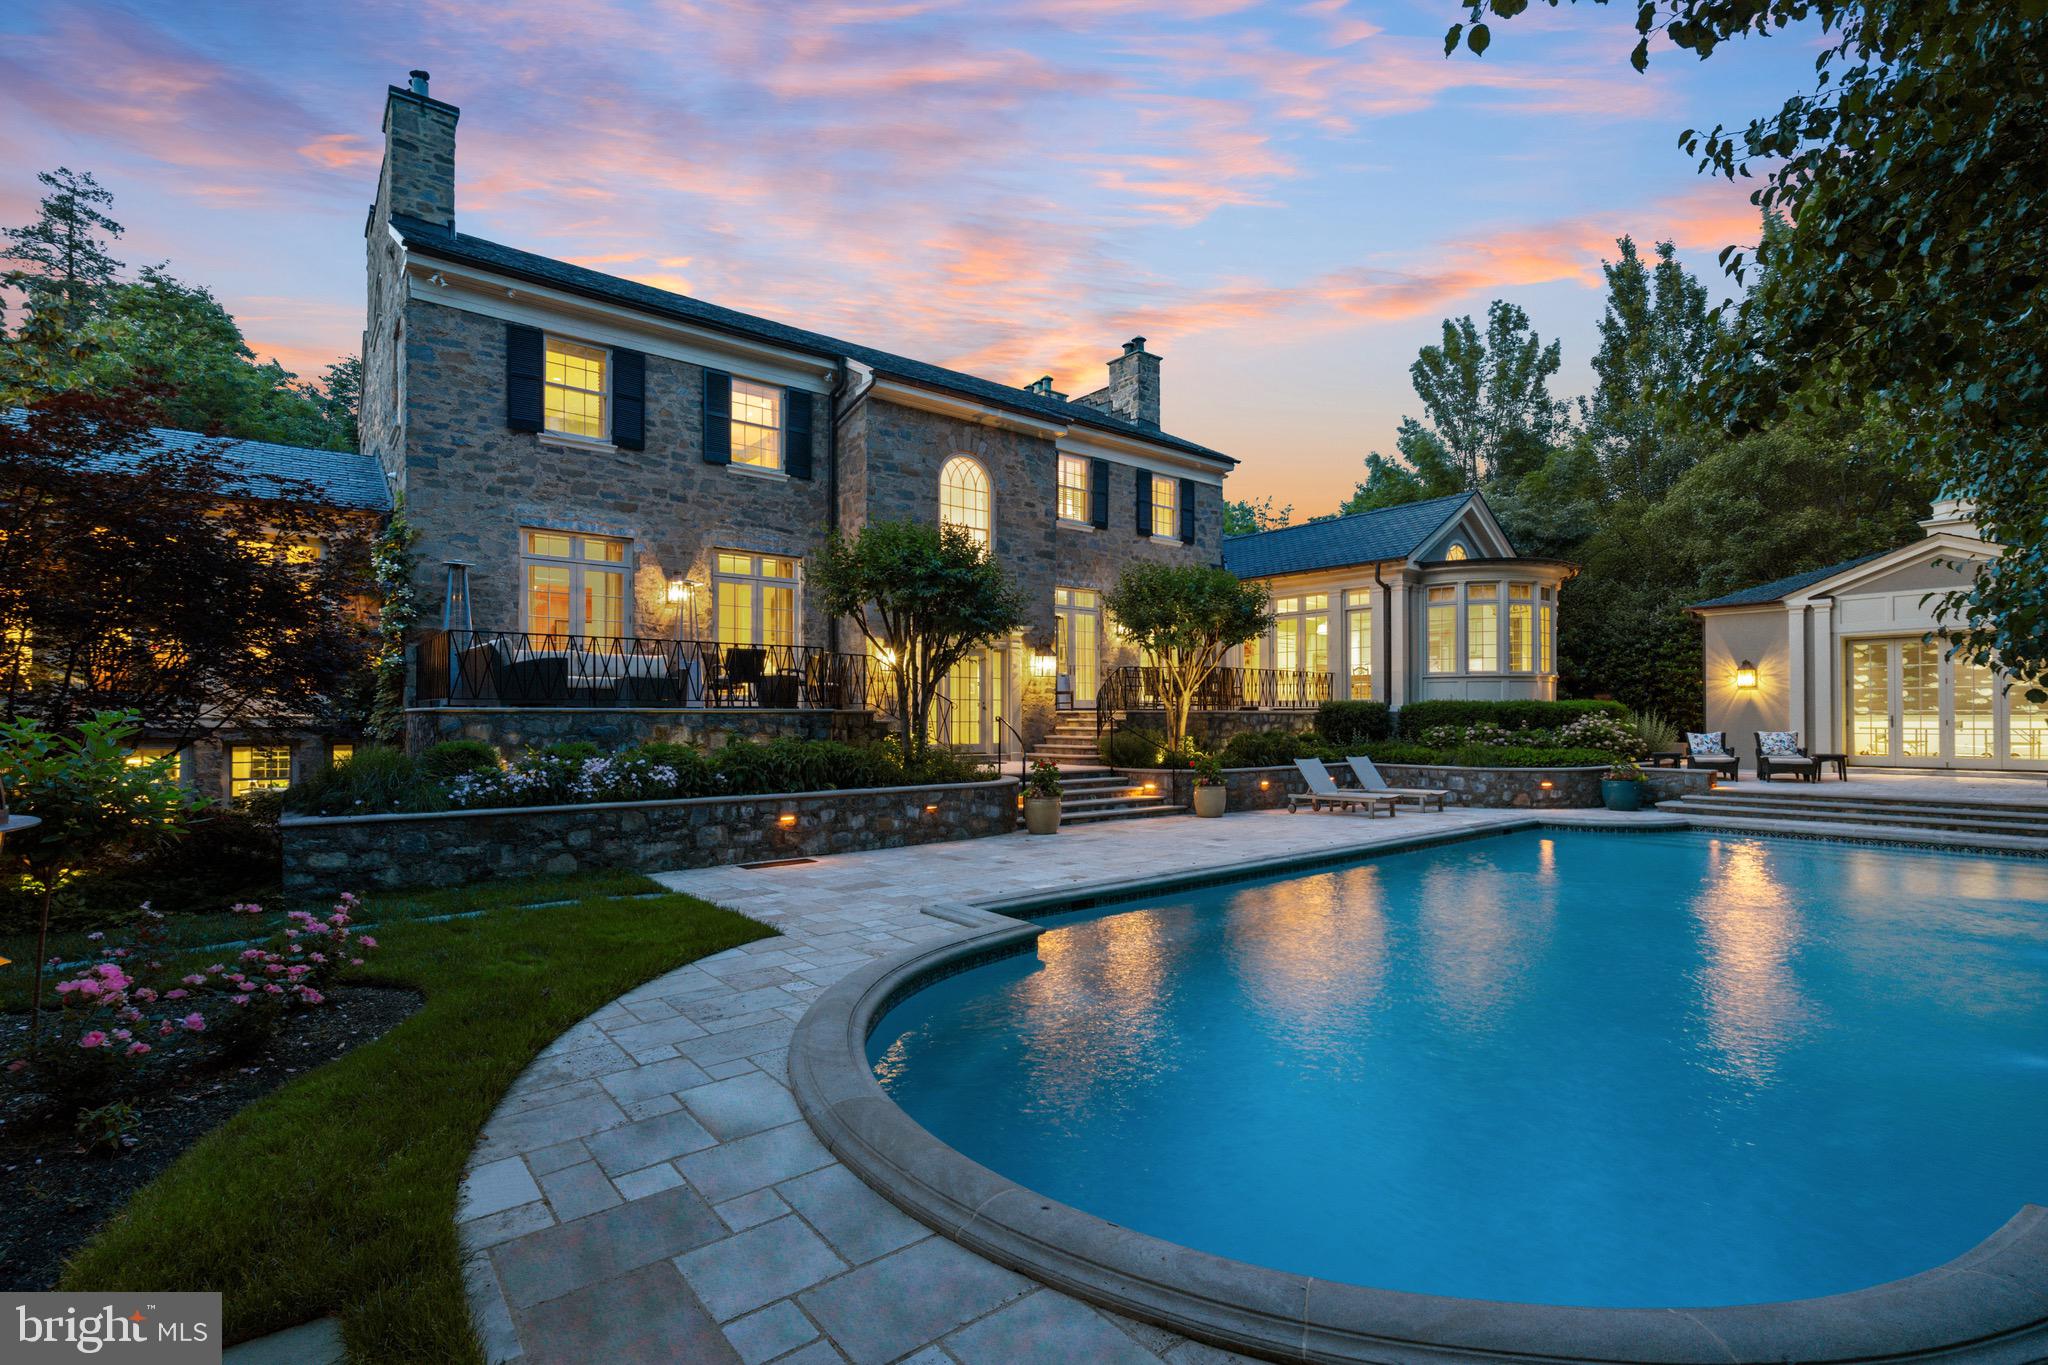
(1135, 688)
(522, 668)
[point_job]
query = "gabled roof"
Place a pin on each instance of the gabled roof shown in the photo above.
(1780, 588)
(447, 244)
(1361, 538)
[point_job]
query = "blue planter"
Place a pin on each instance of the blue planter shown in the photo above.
(1622, 793)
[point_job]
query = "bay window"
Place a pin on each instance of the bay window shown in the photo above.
(1521, 627)
(1443, 630)
(1482, 627)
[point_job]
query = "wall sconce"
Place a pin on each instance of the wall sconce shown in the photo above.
(931, 810)
(1264, 784)
(679, 590)
(1745, 676)
(1044, 665)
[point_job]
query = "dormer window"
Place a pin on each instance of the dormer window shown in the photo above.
(573, 392)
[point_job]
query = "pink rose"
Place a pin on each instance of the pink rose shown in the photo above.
(137, 1049)
(93, 1039)
(179, 994)
(239, 999)
(193, 980)
(194, 1022)
(311, 996)
(366, 940)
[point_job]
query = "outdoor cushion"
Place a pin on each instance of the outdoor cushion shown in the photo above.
(1705, 746)
(1778, 743)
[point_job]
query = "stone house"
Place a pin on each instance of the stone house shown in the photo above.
(1850, 657)
(618, 489)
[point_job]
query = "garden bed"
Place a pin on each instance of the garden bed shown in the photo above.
(60, 1192)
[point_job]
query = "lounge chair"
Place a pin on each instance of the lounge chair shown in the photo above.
(1711, 751)
(1323, 789)
(1780, 751)
(1369, 779)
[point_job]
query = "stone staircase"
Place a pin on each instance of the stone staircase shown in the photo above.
(2018, 824)
(1091, 790)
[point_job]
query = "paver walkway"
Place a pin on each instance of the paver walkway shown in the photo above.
(647, 1190)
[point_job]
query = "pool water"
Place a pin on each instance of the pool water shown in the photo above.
(1565, 1067)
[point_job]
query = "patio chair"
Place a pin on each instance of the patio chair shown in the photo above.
(1711, 751)
(1778, 751)
(1370, 780)
(1323, 790)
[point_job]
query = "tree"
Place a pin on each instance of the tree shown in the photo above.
(92, 801)
(63, 255)
(1909, 269)
(139, 577)
(1654, 340)
(1488, 399)
(926, 598)
(1245, 517)
(1423, 469)
(1185, 617)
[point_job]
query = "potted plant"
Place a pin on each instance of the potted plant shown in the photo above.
(1622, 785)
(1042, 798)
(1210, 793)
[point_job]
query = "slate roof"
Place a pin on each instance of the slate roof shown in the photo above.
(342, 478)
(1361, 538)
(1780, 588)
(446, 244)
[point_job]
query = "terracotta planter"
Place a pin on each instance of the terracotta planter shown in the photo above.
(1041, 814)
(1210, 801)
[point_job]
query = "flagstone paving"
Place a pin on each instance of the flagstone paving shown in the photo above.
(647, 1190)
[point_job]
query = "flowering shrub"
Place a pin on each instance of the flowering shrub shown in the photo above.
(124, 1015)
(1603, 732)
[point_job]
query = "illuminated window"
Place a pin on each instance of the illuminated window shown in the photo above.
(573, 397)
(2027, 737)
(1521, 627)
(1482, 627)
(1546, 629)
(1443, 630)
(1074, 489)
(756, 425)
(753, 599)
(575, 584)
(1358, 647)
(1455, 552)
(1166, 507)
(964, 498)
(340, 753)
(153, 755)
(259, 768)
(289, 551)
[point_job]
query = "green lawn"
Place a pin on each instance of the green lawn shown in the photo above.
(336, 1194)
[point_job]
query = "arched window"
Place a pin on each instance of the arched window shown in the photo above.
(964, 499)
(1457, 551)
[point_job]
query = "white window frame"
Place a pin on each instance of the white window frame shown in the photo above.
(758, 600)
(242, 786)
(574, 561)
(774, 394)
(1171, 505)
(1357, 604)
(1085, 493)
(603, 391)
(985, 535)
(1431, 604)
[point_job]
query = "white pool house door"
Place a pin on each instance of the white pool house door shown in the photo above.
(1908, 706)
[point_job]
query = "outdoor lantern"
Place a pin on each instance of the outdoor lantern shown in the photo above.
(1043, 665)
(1745, 675)
(678, 590)
(1546, 784)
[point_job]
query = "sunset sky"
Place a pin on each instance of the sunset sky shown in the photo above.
(1285, 199)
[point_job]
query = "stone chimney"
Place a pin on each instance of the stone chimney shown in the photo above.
(1042, 386)
(1133, 389)
(418, 178)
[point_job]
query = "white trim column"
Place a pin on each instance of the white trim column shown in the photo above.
(1795, 669)
(1827, 704)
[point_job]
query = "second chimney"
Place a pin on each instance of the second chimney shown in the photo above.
(418, 177)
(1133, 391)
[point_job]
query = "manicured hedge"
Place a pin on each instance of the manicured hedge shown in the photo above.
(1354, 722)
(1418, 716)
(1488, 756)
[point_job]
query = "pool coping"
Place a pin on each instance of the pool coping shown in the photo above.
(1989, 1304)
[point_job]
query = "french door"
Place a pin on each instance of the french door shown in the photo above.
(974, 711)
(1077, 617)
(1909, 706)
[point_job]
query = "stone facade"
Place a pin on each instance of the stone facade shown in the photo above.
(326, 855)
(1213, 729)
(1499, 788)
(511, 730)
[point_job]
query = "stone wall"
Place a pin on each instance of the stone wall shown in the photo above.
(326, 855)
(1516, 788)
(1213, 729)
(515, 728)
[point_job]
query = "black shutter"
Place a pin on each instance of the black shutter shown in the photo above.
(1187, 511)
(717, 417)
(524, 361)
(796, 433)
(1144, 502)
(629, 399)
(1098, 494)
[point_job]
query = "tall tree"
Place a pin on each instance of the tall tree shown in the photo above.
(1911, 269)
(1654, 340)
(62, 258)
(1245, 517)
(1422, 469)
(1488, 397)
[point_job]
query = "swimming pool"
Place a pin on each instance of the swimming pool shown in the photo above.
(1557, 1067)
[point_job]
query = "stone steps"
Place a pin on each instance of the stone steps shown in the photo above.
(1122, 812)
(2021, 825)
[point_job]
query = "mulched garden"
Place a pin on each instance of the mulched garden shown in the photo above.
(62, 1187)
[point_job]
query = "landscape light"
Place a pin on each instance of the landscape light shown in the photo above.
(786, 819)
(679, 590)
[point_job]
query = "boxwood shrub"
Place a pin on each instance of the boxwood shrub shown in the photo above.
(1488, 756)
(1418, 716)
(1354, 722)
